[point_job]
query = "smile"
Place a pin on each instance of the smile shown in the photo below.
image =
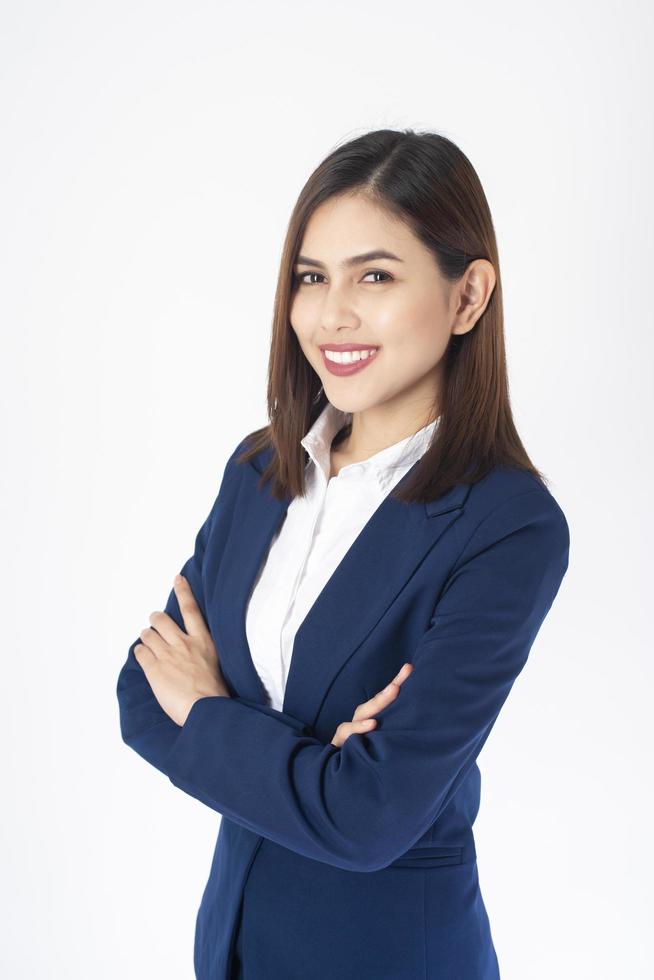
(348, 362)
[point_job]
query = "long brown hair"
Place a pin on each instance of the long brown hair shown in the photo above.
(427, 182)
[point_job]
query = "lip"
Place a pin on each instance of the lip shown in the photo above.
(343, 347)
(343, 370)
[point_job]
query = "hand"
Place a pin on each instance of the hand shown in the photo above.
(180, 667)
(362, 720)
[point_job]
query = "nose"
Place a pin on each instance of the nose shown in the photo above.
(337, 311)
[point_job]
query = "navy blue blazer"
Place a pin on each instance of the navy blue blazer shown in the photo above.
(357, 861)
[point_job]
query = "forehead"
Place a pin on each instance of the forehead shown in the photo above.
(351, 224)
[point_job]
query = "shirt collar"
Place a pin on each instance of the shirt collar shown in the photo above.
(382, 466)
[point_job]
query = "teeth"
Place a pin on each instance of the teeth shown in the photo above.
(348, 356)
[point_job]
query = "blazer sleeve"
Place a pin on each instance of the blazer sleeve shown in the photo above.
(144, 724)
(361, 806)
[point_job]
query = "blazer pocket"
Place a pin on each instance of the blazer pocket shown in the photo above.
(435, 856)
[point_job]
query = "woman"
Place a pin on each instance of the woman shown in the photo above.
(362, 595)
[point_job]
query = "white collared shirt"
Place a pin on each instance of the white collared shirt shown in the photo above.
(314, 536)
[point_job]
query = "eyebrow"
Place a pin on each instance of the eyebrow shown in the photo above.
(377, 253)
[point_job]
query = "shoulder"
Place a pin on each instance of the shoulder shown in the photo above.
(511, 501)
(504, 486)
(235, 467)
(229, 482)
(232, 473)
(257, 440)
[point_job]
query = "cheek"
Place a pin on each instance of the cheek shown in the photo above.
(305, 334)
(297, 318)
(303, 321)
(301, 305)
(417, 329)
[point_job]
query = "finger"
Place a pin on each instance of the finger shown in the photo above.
(194, 623)
(387, 693)
(403, 673)
(144, 655)
(153, 641)
(347, 728)
(166, 627)
(376, 703)
(399, 678)
(384, 696)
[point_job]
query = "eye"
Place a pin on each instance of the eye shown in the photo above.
(379, 272)
(299, 276)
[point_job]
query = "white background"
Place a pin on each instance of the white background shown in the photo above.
(151, 155)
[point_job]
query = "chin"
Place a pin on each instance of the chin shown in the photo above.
(348, 405)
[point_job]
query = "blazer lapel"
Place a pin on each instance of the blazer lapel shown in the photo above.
(257, 517)
(373, 571)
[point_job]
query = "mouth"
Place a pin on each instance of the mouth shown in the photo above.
(348, 359)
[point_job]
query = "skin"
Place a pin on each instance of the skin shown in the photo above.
(182, 667)
(408, 310)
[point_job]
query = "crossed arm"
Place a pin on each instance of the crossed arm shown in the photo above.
(363, 804)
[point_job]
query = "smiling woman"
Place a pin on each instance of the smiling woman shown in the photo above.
(404, 310)
(362, 594)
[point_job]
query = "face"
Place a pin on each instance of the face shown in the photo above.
(401, 306)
